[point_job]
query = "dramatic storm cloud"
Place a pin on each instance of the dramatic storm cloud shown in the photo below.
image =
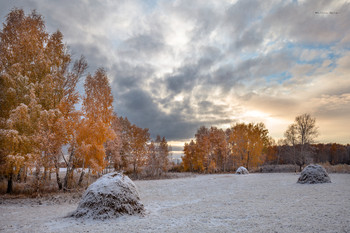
(177, 65)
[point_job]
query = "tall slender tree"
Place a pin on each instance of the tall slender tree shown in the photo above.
(95, 127)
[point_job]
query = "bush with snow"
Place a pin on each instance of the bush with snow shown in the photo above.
(313, 174)
(242, 170)
(111, 196)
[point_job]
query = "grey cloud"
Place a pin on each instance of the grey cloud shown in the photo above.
(224, 77)
(329, 112)
(128, 76)
(80, 13)
(300, 22)
(227, 76)
(146, 43)
(265, 65)
(194, 72)
(241, 14)
(205, 18)
(184, 107)
(8, 5)
(334, 106)
(211, 53)
(140, 103)
(92, 52)
(183, 81)
(205, 104)
(142, 110)
(251, 38)
(142, 45)
(207, 107)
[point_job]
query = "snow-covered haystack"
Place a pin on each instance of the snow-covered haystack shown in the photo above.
(111, 196)
(313, 174)
(242, 170)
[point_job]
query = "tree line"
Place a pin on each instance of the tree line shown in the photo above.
(249, 145)
(38, 113)
(218, 150)
(299, 148)
(332, 153)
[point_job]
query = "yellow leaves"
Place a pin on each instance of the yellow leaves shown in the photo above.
(218, 150)
(94, 129)
(98, 100)
(19, 118)
(247, 143)
(212, 167)
(193, 157)
(13, 163)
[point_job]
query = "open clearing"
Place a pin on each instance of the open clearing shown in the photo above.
(205, 203)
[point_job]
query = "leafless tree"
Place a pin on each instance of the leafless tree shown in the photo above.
(299, 136)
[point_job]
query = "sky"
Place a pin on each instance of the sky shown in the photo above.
(177, 65)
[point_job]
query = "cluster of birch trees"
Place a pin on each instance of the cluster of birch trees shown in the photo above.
(38, 114)
(218, 150)
(133, 152)
(248, 145)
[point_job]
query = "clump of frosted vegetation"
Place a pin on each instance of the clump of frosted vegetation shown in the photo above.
(242, 170)
(111, 196)
(313, 174)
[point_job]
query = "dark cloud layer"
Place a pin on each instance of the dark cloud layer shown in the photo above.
(177, 65)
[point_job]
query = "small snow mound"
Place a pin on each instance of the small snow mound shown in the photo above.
(242, 170)
(313, 174)
(111, 196)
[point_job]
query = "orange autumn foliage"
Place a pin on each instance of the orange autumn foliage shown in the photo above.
(217, 150)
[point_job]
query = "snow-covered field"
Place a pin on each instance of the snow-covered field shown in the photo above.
(205, 203)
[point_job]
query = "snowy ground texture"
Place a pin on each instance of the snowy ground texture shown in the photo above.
(205, 203)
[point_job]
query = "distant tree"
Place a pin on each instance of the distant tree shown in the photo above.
(291, 139)
(190, 157)
(219, 150)
(300, 135)
(203, 149)
(153, 164)
(306, 128)
(125, 134)
(139, 148)
(272, 156)
(163, 154)
(248, 142)
(157, 161)
(238, 140)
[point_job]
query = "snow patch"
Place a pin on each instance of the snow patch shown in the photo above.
(313, 174)
(242, 170)
(111, 196)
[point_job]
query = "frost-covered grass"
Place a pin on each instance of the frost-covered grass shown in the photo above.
(339, 168)
(205, 203)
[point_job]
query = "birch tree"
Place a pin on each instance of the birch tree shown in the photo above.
(36, 81)
(95, 127)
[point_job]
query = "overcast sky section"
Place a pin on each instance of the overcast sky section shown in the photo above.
(177, 65)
